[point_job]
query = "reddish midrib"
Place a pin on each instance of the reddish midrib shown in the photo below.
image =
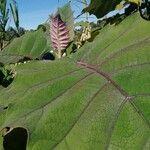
(106, 76)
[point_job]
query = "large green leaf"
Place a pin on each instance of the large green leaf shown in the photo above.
(32, 45)
(99, 99)
(1, 87)
(101, 7)
(66, 14)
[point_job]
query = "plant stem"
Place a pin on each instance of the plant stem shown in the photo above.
(59, 53)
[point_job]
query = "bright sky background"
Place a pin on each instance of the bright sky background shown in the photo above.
(34, 12)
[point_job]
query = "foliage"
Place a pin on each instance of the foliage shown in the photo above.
(59, 34)
(4, 12)
(42, 26)
(96, 99)
(135, 1)
(31, 45)
(145, 10)
(122, 5)
(66, 15)
(6, 75)
(14, 10)
(4, 17)
(133, 7)
(62, 30)
(11, 34)
(101, 7)
(85, 35)
(81, 24)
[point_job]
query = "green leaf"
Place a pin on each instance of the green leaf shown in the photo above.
(135, 1)
(81, 24)
(31, 45)
(66, 14)
(14, 11)
(1, 87)
(101, 7)
(3, 4)
(4, 14)
(98, 99)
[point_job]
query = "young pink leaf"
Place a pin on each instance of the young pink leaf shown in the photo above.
(59, 33)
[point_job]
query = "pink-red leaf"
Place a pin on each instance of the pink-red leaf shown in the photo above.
(59, 33)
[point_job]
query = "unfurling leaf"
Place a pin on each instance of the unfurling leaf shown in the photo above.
(59, 34)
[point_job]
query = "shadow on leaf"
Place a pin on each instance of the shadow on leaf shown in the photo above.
(15, 139)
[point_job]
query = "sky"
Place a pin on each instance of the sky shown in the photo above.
(35, 12)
